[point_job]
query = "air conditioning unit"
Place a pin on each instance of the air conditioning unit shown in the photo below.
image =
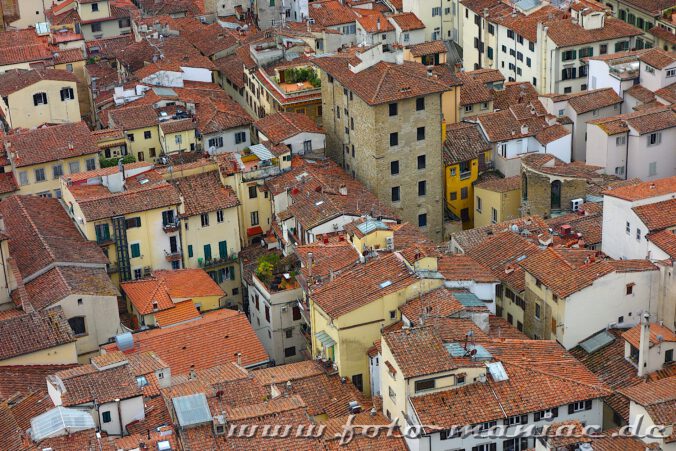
(389, 243)
(575, 204)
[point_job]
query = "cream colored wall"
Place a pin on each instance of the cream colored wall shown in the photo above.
(83, 92)
(50, 184)
(169, 141)
(142, 145)
(102, 320)
(450, 101)
(261, 204)
(375, 239)
(59, 355)
(197, 236)
(356, 331)
(86, 13)
(510, 307)
(489, 200)
(22, 112)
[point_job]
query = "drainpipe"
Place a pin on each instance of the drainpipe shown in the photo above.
(626, 158)
(119, 416)
(644, 345)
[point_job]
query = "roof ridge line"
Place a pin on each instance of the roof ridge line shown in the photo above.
(547, 373)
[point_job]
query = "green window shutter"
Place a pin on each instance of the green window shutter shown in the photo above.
(207, 252)
(223, 249)
(135, 250)
(232, 273)
(190, 251)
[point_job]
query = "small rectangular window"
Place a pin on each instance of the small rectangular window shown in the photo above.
(135, 250)
(394, 139)
(40, 175)
(420, 104)
(204, 217)
(422, 188)
(422, 220)
(393, 109)
(106, 417)
(420, 133)
(147, 134)
(421, 162)
(396, 194)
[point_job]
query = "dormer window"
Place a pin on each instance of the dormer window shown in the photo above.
(155, 306)
(40, 98)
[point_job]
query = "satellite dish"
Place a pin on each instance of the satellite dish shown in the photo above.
(212, 149)
(472, 353)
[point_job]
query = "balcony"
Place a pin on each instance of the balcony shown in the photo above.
(171, 227)
(261, 173)
(105, 240)
(173, 256)
(210, 263)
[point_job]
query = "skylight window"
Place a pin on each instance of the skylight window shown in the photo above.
(385, 284)
(60, 421)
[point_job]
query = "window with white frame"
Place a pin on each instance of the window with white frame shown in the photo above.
(620, 140)
(478, 204)
(627, 228)
(494, 215)
(671, 73)
(654, 138)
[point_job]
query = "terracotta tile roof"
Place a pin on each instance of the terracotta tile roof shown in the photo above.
(513, 93)
(232, 68)
(15, 80)
(218, 115)
(270, 408)
(501, 253)
(528, 363)
(499, 328)
(8, 183)
(662, 33)
(329, 13)
(407, 21)
(177, 126)
(644, 121)
(363, 284)
(181, 312)
(590, 225)
(526, 25)
(323, 394)
(188, 283)
(501, 185)
(22, 46)
(133, 117)
(438, 302)
(26, 379)
(10, 432)
(667, 93)
(34, 332)
(204, 193)
(565, 33)
(208, 39)
(427, 48)
(658, 398)
(549, 164)
(520, 121)
(42, 145)
(640, 93)
(335, 427)
(41, 234)
(658, 215)
(33, 404)
(97, 202)
(326, 258)
(167, 287)
(609, 364)
(419, 352)
(454, 330)
(142, 293)
(568, 271)
(614, 442)
(93, 385)
(148, 439)
(464, 142)
(467, 239)
(644, 190)
(583, 102)
(463, 268)
(62, 281)
(658, 335)
(374, 21)
(388, 82)
(654, 7)
(280, 126)
(212, 340)
(665, 240)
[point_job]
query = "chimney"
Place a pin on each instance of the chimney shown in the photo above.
(644, 345)
(378, 23)
(524, 129)
(285, 232)
(192, 374)
(70, 146)
(342, 190)
(309, 263)
(239, 358)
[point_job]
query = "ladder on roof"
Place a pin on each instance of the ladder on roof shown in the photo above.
(122, 248)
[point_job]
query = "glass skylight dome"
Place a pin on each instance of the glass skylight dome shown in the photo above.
(60, 421)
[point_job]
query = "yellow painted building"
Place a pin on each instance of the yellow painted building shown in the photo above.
(141, 128)
(136, 227)
(347, 314)
(210, 230)
(30, 98)
(73, 61)
(466, 154)
(399, 380)
(40, 157)
(178, 136)
(497, 200)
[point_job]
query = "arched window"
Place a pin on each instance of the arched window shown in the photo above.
(77, 323)
(556, 195)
